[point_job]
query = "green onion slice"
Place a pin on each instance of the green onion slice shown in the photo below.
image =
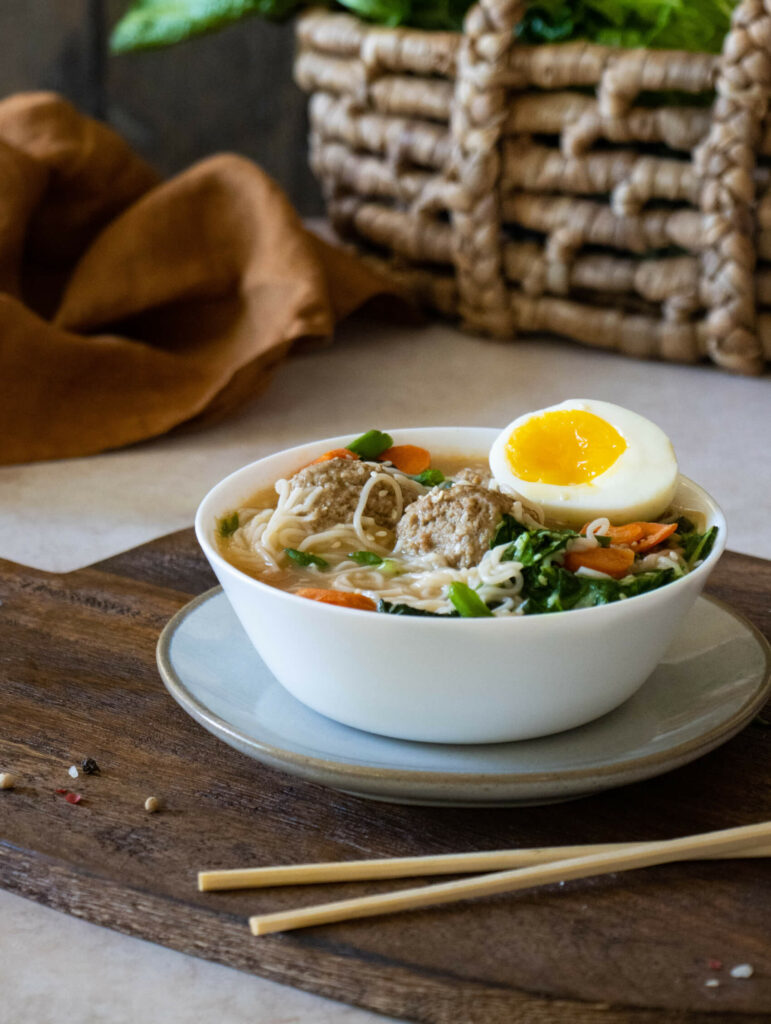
(365, 557)
(467, 602)
(371, 444)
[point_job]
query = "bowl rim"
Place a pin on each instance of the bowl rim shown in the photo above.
(401, 434)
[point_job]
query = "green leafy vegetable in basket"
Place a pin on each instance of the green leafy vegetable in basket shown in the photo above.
(152, 23)
(698, 25)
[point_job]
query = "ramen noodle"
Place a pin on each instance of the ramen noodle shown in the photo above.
(448, 541)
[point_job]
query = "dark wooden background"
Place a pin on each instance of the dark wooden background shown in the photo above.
(232, 90)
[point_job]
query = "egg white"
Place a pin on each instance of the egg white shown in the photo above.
(638, 486)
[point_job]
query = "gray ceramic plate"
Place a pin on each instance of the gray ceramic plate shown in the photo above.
(714, 678)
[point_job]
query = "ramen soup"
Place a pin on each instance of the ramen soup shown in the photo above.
(390, 529)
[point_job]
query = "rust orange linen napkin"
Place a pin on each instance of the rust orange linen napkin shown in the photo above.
(128, 305)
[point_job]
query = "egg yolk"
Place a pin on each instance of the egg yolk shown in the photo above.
(563, 447)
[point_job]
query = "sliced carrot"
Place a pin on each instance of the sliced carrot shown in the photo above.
(407, 458)
(336, 453)
(338, 597)
(613, 561)
(655, 534)
(639, 536)
(629, 534)
(622, 534)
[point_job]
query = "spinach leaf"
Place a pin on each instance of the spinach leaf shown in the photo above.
(533, 546)
(371, 444)
(552, 588)
(526, 545)
(696, 546)
(305, 558)
(467, 602)
(430, 477)
(506, 531)
(228, 525)
(405, 609)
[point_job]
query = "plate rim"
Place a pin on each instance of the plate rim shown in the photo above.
(290, 760)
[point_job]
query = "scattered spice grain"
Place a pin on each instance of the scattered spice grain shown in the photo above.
(152, 804)
(714, 964)
(711, 983)
(71, 798)
(7, 780)
(89, 766)
(742, 971)
(72, 771)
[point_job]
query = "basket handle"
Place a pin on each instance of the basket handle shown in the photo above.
(480, 104)
(725, 162)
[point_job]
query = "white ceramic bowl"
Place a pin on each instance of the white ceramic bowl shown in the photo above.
(458, 681)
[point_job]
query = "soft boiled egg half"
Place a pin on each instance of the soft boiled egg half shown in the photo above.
(583, 459)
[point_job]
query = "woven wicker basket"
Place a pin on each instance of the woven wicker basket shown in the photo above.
(555, 187)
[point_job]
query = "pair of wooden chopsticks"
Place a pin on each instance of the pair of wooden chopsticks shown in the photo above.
(526, 868)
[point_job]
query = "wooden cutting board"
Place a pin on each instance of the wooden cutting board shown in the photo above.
(78, 678)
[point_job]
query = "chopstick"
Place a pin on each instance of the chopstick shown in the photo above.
(406, 867)
(726, 842)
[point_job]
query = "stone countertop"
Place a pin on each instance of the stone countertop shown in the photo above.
(62, 515)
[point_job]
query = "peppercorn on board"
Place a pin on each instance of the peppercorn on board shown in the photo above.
(78, 677)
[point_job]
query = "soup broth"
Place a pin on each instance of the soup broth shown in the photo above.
(462, 546)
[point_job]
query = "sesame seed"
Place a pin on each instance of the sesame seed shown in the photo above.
(72, 771)
(711, 983)
(152, 804)
(7, 780)
(742, 971)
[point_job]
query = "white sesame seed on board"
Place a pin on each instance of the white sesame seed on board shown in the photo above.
(72, 771)
(711, 983)
(742, 971)
(152, 804)
(7, 780)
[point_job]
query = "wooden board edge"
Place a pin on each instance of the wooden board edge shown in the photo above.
(381, 987)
